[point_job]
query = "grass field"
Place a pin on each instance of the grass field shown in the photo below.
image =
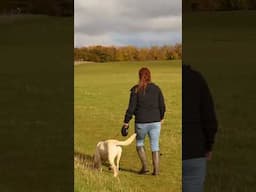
(101, 98)
(222, 46)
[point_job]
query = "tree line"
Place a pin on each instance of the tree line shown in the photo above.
(127, 53)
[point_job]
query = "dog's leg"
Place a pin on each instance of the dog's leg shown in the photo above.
(97, 161)
(99, 165)
(111, 159)
(113, 166)
(119, 153)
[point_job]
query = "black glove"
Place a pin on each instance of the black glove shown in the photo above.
(124, 130)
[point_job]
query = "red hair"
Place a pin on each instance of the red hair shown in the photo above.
(144, 79)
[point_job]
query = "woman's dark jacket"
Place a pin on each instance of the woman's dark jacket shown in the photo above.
(148, 106)
(199, 123)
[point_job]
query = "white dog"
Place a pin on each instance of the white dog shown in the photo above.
(111, 150)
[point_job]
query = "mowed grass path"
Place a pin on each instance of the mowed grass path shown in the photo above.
(101, 99)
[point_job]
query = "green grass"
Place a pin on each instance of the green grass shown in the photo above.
(222, 46)
(101, 99)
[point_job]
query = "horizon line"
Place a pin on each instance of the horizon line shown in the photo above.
(118, 46)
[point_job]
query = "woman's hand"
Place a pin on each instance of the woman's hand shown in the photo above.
(162, 121)
(126, 125)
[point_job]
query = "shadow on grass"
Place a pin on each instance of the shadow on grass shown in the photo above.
(83, 160)
(86, 161)
(128, 170)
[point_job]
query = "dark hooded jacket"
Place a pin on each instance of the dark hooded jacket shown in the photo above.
(199, 123)
(148, 106)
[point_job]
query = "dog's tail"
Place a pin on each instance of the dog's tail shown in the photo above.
(127, 141)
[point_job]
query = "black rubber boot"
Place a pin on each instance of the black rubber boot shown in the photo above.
(143, 159)
(155, 160)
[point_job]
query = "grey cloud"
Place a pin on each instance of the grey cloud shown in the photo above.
(97, 17)
(151, 8)
(121, 26)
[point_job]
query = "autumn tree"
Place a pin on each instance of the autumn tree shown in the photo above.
(127, 53)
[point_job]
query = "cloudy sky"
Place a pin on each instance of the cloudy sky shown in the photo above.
(127, 22)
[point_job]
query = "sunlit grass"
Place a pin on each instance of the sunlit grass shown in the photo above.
(101, 98)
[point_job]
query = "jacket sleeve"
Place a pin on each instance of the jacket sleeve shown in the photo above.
(132, 106)
(161, 104)
(208, 116)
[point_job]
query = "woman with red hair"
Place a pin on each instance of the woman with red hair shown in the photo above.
(147, 104)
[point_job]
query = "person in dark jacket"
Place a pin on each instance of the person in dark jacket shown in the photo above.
(199, 126)
(147, 104)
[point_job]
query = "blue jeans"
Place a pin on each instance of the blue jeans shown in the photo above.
(153, 131)
(193, 174)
